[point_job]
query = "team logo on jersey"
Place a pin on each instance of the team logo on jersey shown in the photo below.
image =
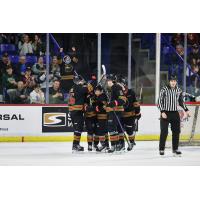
(54, 119)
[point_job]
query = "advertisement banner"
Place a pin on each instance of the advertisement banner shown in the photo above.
(55, 120)
(20, 120)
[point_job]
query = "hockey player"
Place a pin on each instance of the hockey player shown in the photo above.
(115, 108)
(90, 117)
(131, 112)
(67, 73)
(102, 118)
(76, 106)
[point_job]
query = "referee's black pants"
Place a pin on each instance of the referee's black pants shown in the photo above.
(173, 119)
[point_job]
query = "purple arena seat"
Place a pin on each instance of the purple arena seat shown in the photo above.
(14, 59)
(31, 59)
(7, 48)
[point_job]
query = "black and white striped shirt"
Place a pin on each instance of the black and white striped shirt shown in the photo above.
(170, 99)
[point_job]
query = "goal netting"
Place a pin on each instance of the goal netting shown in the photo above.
(190, 127)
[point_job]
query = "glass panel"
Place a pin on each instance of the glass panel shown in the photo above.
(115, 53)
(172, 61)
(193, 59)
(143, 66)
(172, 57)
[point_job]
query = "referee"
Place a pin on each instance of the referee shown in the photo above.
(169, 99)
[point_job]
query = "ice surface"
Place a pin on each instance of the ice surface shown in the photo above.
(59, 153)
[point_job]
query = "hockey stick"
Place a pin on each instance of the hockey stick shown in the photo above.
(102, 76)
(125, 136)
(140, 100)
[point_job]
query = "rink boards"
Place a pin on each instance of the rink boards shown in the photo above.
(53, 123)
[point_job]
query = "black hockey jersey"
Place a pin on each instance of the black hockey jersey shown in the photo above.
(118, 99)
(101, 106)
(132, 106)
(77, 97)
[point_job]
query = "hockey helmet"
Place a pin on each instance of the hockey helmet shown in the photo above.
(67, 60)
(112, 77)
(122, 80)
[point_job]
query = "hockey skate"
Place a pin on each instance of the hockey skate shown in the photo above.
(120, 147)
(162, 152)
(77, 148)
(112, 149)
(102, 148)
(89, 147)
(177, 153)
(130, 147)
(95, 147)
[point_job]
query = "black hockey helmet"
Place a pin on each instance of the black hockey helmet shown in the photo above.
(122, 80)
(112, 77)
(99, 87)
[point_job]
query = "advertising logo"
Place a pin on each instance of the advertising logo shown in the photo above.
(54, 119)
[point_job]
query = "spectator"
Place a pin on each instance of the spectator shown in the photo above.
(20, 96)
(21, 66)
(9, 82)
(39, 71)
(21, 41)
(13, 38)
(194, 87)
(176, 66)
(194, 56)
(39, 67)
(37, 96)
(26, 47)
(9, 79)
(55, 68)
(177, 39)
(4, 62)
(192, 39)
(41, 79)
(37, 46)
(4, 38)
(179, 53)
(55, 93)
(28, 80)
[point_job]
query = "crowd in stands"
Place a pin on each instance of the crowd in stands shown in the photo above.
(25, 82)
(193, 60)
(23, 68)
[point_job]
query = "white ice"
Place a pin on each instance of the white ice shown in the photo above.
(59, 153)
